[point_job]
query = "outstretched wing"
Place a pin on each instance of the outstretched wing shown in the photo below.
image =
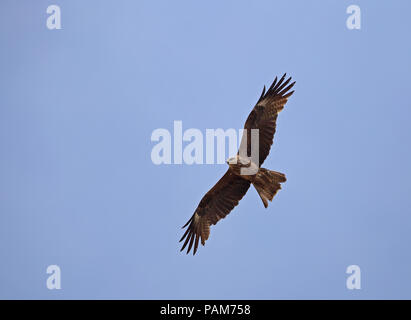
(215, 205)
(264, 116)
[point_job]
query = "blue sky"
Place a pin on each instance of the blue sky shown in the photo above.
(78, 187)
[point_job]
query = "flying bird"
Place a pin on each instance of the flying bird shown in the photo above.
(230, 189)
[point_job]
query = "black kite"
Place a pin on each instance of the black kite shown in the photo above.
(229, 190)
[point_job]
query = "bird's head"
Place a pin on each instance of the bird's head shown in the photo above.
(239, 161)
(232, 160)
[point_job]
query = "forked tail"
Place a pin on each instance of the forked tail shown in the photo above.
(267, 183)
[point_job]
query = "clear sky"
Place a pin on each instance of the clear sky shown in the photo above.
(78, 188)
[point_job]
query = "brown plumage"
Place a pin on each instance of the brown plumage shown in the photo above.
(230, 189)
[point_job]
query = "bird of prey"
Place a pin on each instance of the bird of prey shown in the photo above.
(230, 189)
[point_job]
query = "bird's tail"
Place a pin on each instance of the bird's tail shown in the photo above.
(267, 183)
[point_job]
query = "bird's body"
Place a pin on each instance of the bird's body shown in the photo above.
(243, 170)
